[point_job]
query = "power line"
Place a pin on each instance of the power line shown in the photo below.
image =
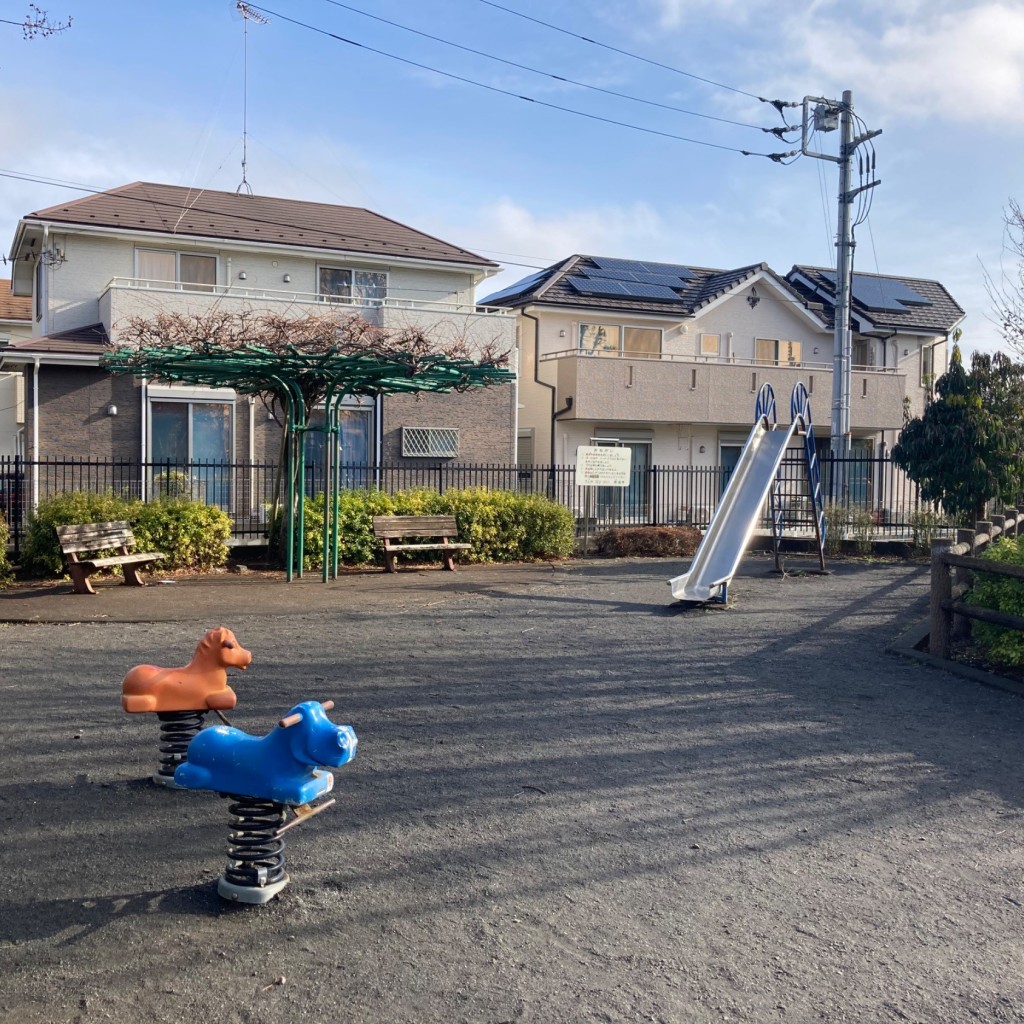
(626, 53)
(548, 74)
(777, 157)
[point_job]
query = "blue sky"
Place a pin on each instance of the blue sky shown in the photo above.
(154, 91)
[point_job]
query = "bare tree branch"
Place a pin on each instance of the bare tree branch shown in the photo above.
(37, 23)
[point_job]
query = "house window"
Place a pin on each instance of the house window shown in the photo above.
(710, 344)
(612, 340)
(773, 352)
(355, 446)
(927, 366)
(189, 271)
(360, 287)
(600, 339)
(430, 442)
(190, 446)
(641, 341)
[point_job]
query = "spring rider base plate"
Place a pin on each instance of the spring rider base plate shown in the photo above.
(249, 893)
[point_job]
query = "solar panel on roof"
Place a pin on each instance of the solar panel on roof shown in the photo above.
(639, 267)
(599, 286)
(622, 289)
(670, 280)
(643, 290)
(882, 294)
(514, 289)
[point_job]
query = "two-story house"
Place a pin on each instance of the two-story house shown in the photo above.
(681, 352)
(91, 265)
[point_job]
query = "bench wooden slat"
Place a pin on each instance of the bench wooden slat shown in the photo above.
(445, 546)
(140, 559)
(95, 536)
(414, 526)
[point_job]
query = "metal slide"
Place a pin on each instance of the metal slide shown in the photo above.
(722, 547)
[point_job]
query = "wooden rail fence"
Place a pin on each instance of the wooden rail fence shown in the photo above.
(953, 566)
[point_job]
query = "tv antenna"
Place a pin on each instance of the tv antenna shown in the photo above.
(248, 14)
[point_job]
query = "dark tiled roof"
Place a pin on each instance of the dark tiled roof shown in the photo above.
(702, 285)
(173, 210)
(939, 316)
(14, 307)
(91, 340)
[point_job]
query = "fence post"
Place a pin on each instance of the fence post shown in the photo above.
(1011, 522)
(983, 527)
(942, 590)
(962, 579)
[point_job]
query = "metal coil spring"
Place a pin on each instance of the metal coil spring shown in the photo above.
(255, 851)
(177, 728)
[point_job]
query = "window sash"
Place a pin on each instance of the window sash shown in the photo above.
(189, 271)
(765, 351)
(197, 273)
(346, 284)
(641, 341)
(777, 352)
(710, 344)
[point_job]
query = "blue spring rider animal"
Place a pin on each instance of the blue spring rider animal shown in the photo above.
(280, 767)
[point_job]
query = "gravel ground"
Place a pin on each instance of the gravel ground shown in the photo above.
(573, 801)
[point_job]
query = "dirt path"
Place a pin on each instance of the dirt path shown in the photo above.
(573, 801)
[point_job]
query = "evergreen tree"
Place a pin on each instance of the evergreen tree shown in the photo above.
(968, 447)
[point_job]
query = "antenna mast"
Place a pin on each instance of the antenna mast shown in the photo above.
(248, 14)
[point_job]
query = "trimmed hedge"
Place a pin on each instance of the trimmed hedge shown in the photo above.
(191, 534)
(5, 565)
(648, 541)
(1004, 594)
(502, 526)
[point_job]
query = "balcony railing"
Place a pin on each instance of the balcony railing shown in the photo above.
(677, 357)
(276, 295)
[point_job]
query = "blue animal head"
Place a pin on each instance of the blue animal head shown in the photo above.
(314, 739)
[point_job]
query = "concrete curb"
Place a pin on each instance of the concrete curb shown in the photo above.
(905, 646)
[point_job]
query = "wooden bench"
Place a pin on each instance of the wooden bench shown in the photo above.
(95, 537)
(439, 529)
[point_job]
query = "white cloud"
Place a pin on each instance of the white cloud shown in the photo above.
(965, 64)
(608, 230)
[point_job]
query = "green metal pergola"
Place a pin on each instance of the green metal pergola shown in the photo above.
(300, 380)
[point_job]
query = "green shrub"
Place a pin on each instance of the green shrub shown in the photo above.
(502, 526)
(926, 525)
(862, 529)
(652, 541)
(837, 522)
(5, 565)
(41, 554)
(191, 534)
(1004, 594)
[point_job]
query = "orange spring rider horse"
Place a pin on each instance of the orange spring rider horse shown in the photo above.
(200, 685)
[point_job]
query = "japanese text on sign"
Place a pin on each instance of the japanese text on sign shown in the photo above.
(602, 467)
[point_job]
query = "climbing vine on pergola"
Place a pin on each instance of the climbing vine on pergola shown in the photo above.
(297, 365)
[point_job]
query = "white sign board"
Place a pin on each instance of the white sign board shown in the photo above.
(602, 467)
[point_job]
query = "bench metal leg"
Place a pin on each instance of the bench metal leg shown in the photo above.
(449, 562)
(132, 577)
(80, 579)
(389, 561)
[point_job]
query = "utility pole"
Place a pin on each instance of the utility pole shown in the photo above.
(826, 116)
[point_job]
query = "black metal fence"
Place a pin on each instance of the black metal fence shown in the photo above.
(871, 492)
